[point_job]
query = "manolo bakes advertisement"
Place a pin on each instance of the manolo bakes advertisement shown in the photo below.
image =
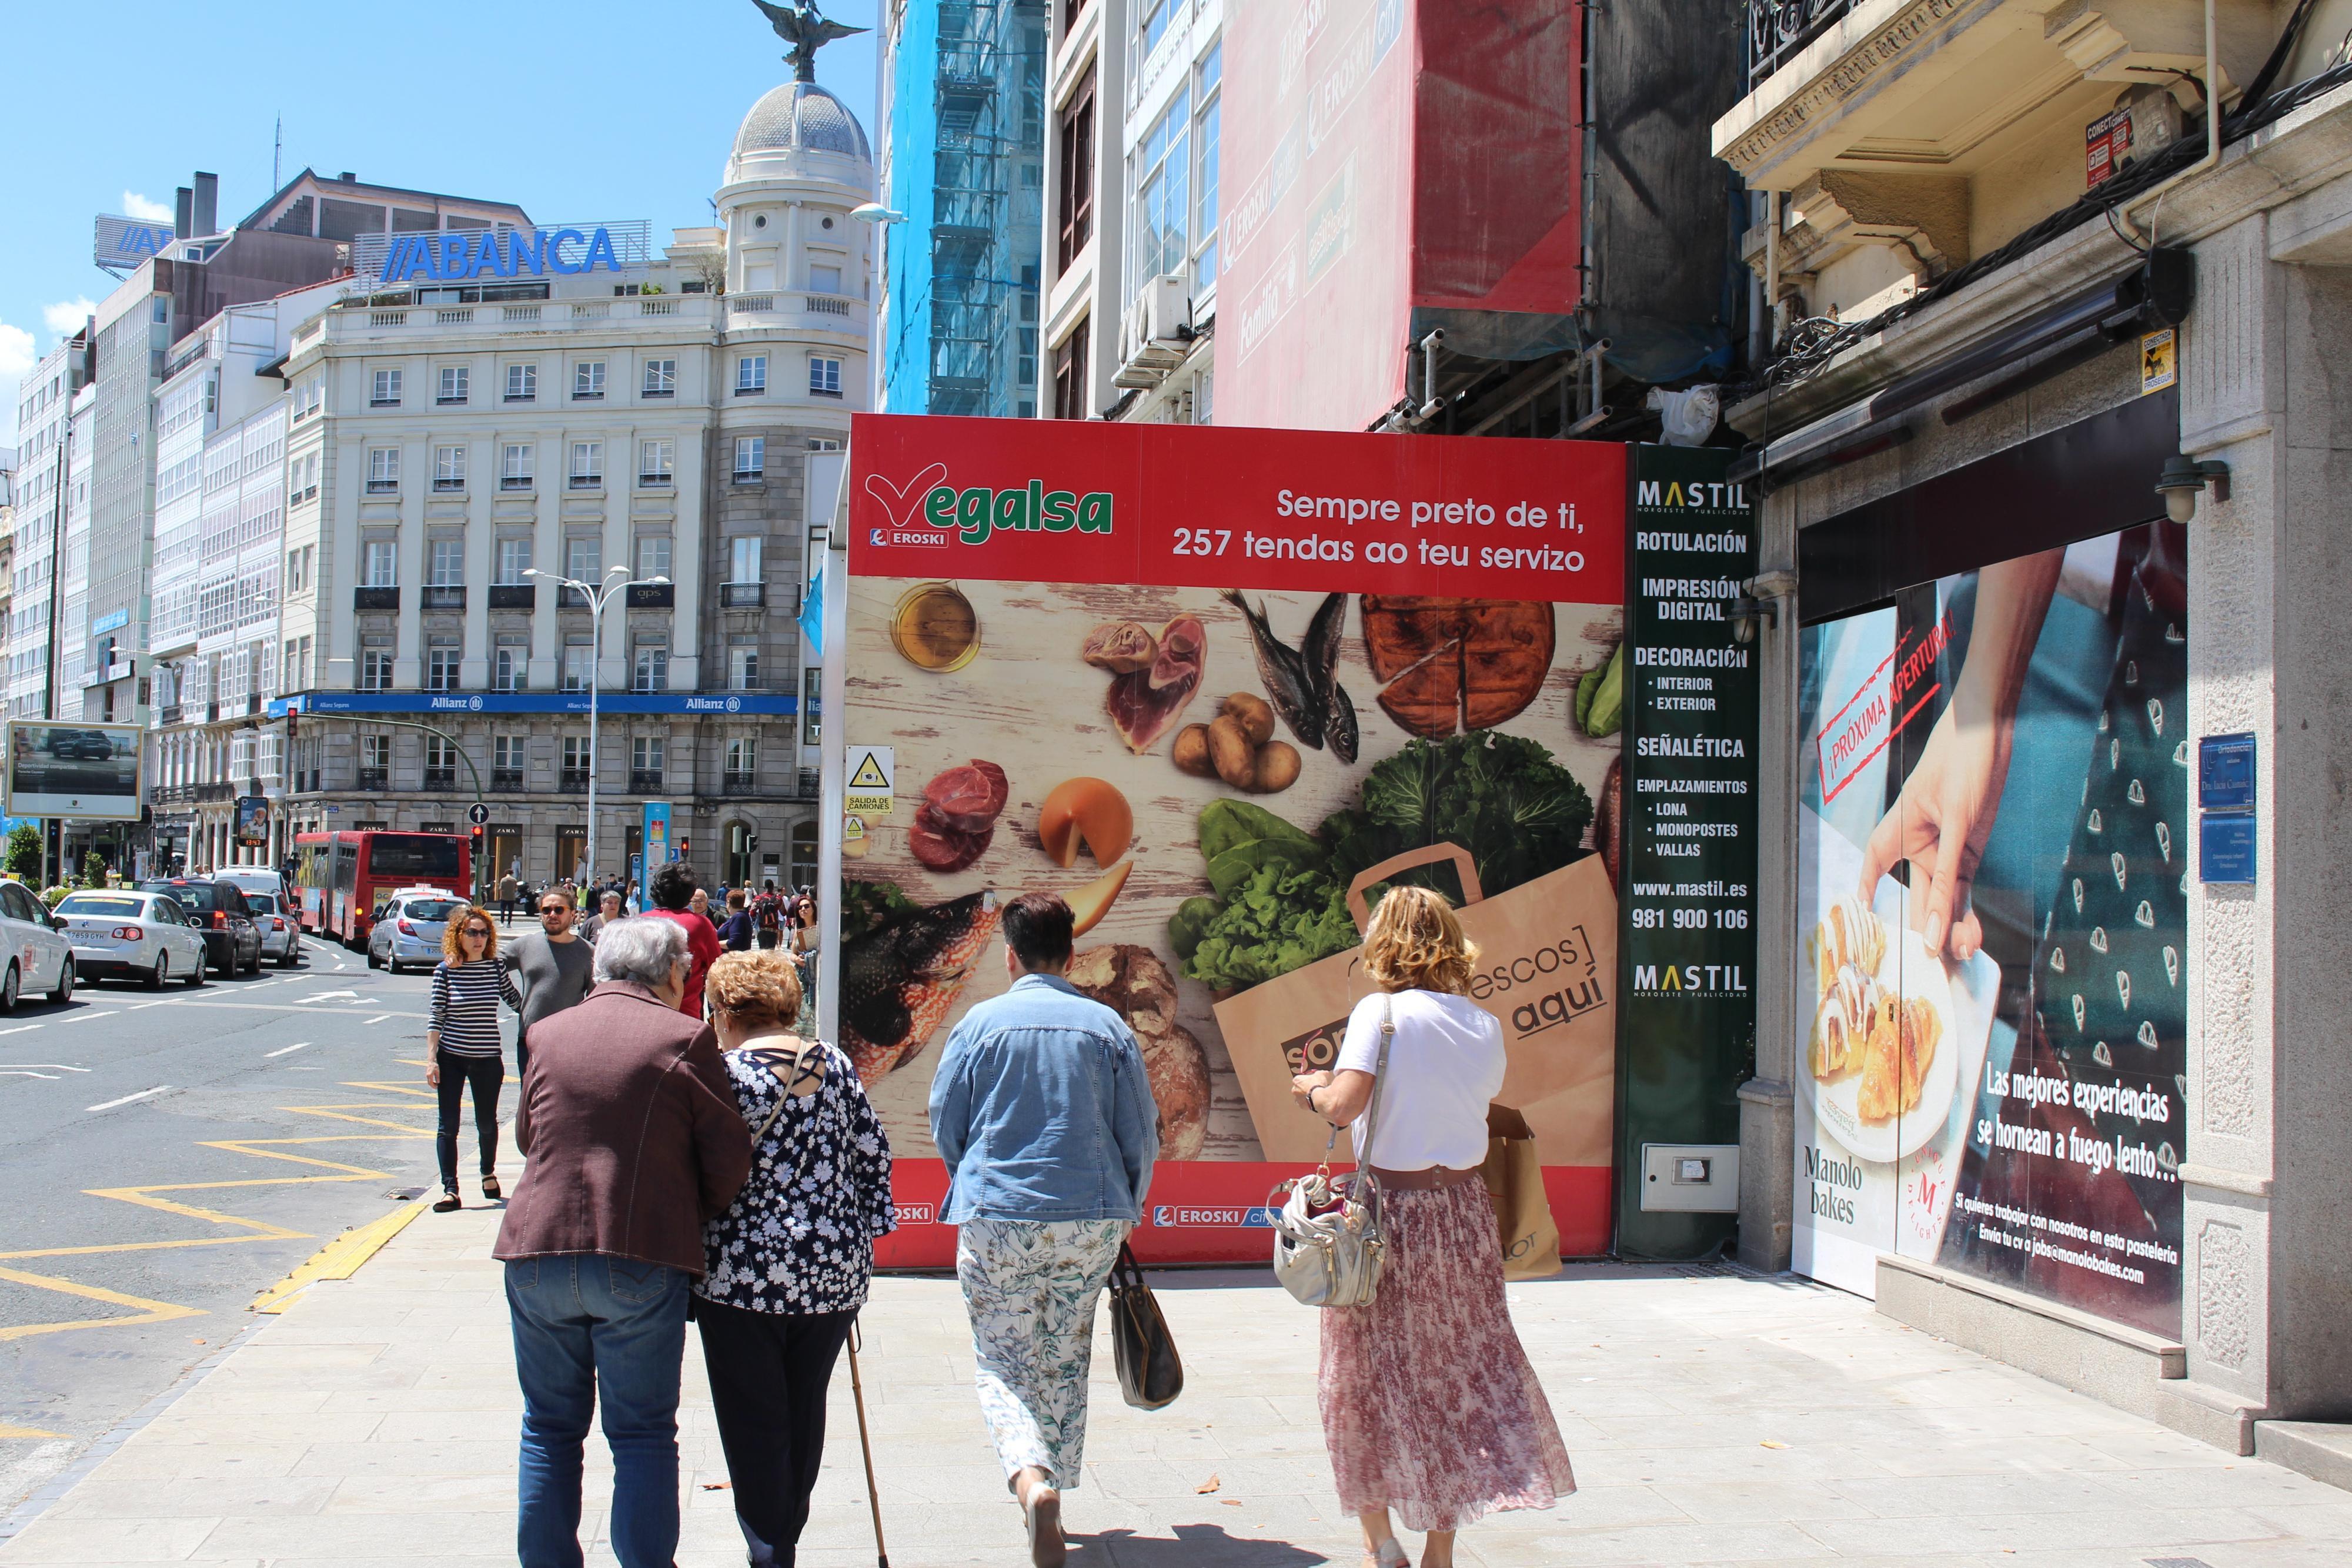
(1994, 832)
(1219, 688)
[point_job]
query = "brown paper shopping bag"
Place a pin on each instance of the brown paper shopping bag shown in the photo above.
(1547, 969)
(1513, 1177)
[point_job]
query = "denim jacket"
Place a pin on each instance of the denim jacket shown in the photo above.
(1041, 1110)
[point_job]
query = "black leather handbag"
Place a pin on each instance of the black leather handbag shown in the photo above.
(1150, 1374)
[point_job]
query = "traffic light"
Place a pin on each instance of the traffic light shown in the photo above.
(751, 842)
(685, 846)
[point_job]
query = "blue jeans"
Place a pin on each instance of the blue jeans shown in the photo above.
(585, 1326)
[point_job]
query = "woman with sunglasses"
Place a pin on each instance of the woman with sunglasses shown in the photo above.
(463, 1042)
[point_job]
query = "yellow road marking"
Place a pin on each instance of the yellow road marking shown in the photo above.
(7, 1431)
(146, 1311)
(338, 1259)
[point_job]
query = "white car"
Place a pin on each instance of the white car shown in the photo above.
(38, 957)
(281, 931)
(408, 928)
(126, 935)
(249, 880)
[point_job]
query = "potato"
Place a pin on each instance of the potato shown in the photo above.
(1191, 753)
(1275, 767)
(1254, 714)
(1231, 751)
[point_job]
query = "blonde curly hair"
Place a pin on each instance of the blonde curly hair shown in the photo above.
(760, 987)
(1415, 943)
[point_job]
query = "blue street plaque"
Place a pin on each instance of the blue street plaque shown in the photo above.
(2225, 773)
(2225, 846)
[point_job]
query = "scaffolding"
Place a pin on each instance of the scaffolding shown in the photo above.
(971, 96)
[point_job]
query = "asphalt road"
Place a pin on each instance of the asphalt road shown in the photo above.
(165, 1157)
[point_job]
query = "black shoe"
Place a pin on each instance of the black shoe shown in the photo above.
(450, 1203)
(490, 1187)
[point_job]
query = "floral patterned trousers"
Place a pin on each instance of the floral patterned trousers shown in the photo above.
(1030, 1287)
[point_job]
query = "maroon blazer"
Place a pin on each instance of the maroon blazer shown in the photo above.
(631, 1131)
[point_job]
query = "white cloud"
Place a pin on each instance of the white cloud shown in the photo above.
(67, 316)
(135, 205)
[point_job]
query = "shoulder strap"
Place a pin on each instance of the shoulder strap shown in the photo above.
(786, 1082)
(1379, 1083)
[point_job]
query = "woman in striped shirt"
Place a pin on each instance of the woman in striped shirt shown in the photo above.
(464, 1044)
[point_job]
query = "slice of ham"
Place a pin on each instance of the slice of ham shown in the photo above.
(968, 799)
(1145, 704)
(943, 847)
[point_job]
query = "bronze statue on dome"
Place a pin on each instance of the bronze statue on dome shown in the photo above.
(804, 28)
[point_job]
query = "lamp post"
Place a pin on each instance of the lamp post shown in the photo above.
(879, 218)
(597, 598)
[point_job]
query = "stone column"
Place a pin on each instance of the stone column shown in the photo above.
(1767, 1103)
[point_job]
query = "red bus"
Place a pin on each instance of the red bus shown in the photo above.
(340, 879)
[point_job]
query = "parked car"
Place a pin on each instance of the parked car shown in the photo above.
(407, 929)
(281, 929)
(39, 957)
(231, 941)
(124, 933)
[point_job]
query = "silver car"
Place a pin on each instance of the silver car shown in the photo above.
(126, 935)
(281, 933)
(407, 930)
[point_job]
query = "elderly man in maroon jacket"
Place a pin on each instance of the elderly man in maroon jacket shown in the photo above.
(633, 1140)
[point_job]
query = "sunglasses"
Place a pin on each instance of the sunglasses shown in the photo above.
(553, 909)
(481, 931)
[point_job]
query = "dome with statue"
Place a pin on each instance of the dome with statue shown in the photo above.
(798, 128)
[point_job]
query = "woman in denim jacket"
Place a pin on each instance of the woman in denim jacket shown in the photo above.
(1043, 1115)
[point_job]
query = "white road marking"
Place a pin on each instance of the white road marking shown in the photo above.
(19, 1028)
(127, 1099)
(25, 1072)
(379, 1018)
(330, 996)
(85, 1018)
(287, 1050)
(60, 1066)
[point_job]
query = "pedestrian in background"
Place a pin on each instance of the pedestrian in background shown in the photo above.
(462, 1043)
(806, 941)
(633, 1141)
(768, 916)
(1430, 1407)
(1042, 1111)
(790, 1261)
(700, 904)
(673, 891)
(509, 890)
(553, 968)
(735, 930)
(608, 911)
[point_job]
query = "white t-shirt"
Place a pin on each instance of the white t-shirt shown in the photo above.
(1445, 1065)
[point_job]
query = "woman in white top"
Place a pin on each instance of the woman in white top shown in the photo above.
(1429, 1405)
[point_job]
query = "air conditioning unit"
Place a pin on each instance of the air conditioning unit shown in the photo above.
(1156, 332)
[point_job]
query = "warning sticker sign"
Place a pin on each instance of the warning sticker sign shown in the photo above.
(871, 771)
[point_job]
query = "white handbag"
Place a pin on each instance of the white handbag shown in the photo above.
(1329, 1244)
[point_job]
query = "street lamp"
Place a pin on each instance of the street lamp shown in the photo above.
(881, 218)
(597, 598)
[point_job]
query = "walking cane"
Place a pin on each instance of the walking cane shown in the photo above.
(865, 1446)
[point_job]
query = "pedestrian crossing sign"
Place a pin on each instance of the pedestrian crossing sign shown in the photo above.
(871, 771)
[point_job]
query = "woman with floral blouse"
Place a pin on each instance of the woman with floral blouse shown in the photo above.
(790, 1259)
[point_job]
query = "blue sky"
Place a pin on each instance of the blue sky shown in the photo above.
(586, 110)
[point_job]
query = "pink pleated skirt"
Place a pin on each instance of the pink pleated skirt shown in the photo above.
(1430, 1406)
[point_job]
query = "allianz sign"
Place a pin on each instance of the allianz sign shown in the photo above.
(508, 253)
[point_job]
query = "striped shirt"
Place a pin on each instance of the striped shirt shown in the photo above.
(465, 998)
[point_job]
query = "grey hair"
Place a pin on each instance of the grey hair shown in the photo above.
(640, 951)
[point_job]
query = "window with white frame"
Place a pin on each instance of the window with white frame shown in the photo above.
(448, 569)
(743, 559)
(661, 377)
(751, 375)
(375, 669)
(449, 467)
(1210, 77)
(1159, 194)
(588, 381)
(649, 755)
(382, 567)
(514, 560)
(824, 376)
(743, 667)
(454, 381)
(653, 555)
(440, 759)
(515, 465)
(587, 465)
(657, 461)
(375, 753)
(507, 752)
(742, 760)
(824, 280)
(522, 383)
(383, 469)
(575, 755)
(509, 667)
(1151, 19)
(579, 664)
(583, 559)
(751, 457)
(441, 668)
(384, 390)
(650, 668)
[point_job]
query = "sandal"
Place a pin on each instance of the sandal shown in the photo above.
(1042, 1512)
(1390, 1554)
(490, 1185)
(450, 1203)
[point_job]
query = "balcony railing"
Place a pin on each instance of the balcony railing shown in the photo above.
(513, 596)
(737, 783)
(645, 781)
(652, 595)
(1778, 30)
(743, 595)
(440, 779)
(572, 781)
(504, 779)
(570, 598)
(376, 598)
(515, 482)
(444, 596)
(373, 780)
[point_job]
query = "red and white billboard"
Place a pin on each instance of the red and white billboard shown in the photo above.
(1208, 683)
(1385, 157)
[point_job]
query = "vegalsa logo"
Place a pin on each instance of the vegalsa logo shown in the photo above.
(928, 511)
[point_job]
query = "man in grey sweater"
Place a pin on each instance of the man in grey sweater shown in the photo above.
(551, 967)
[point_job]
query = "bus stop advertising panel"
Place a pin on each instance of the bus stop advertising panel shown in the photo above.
(1219, 688)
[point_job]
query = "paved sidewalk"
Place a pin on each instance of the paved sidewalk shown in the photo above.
(1714, 1417)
